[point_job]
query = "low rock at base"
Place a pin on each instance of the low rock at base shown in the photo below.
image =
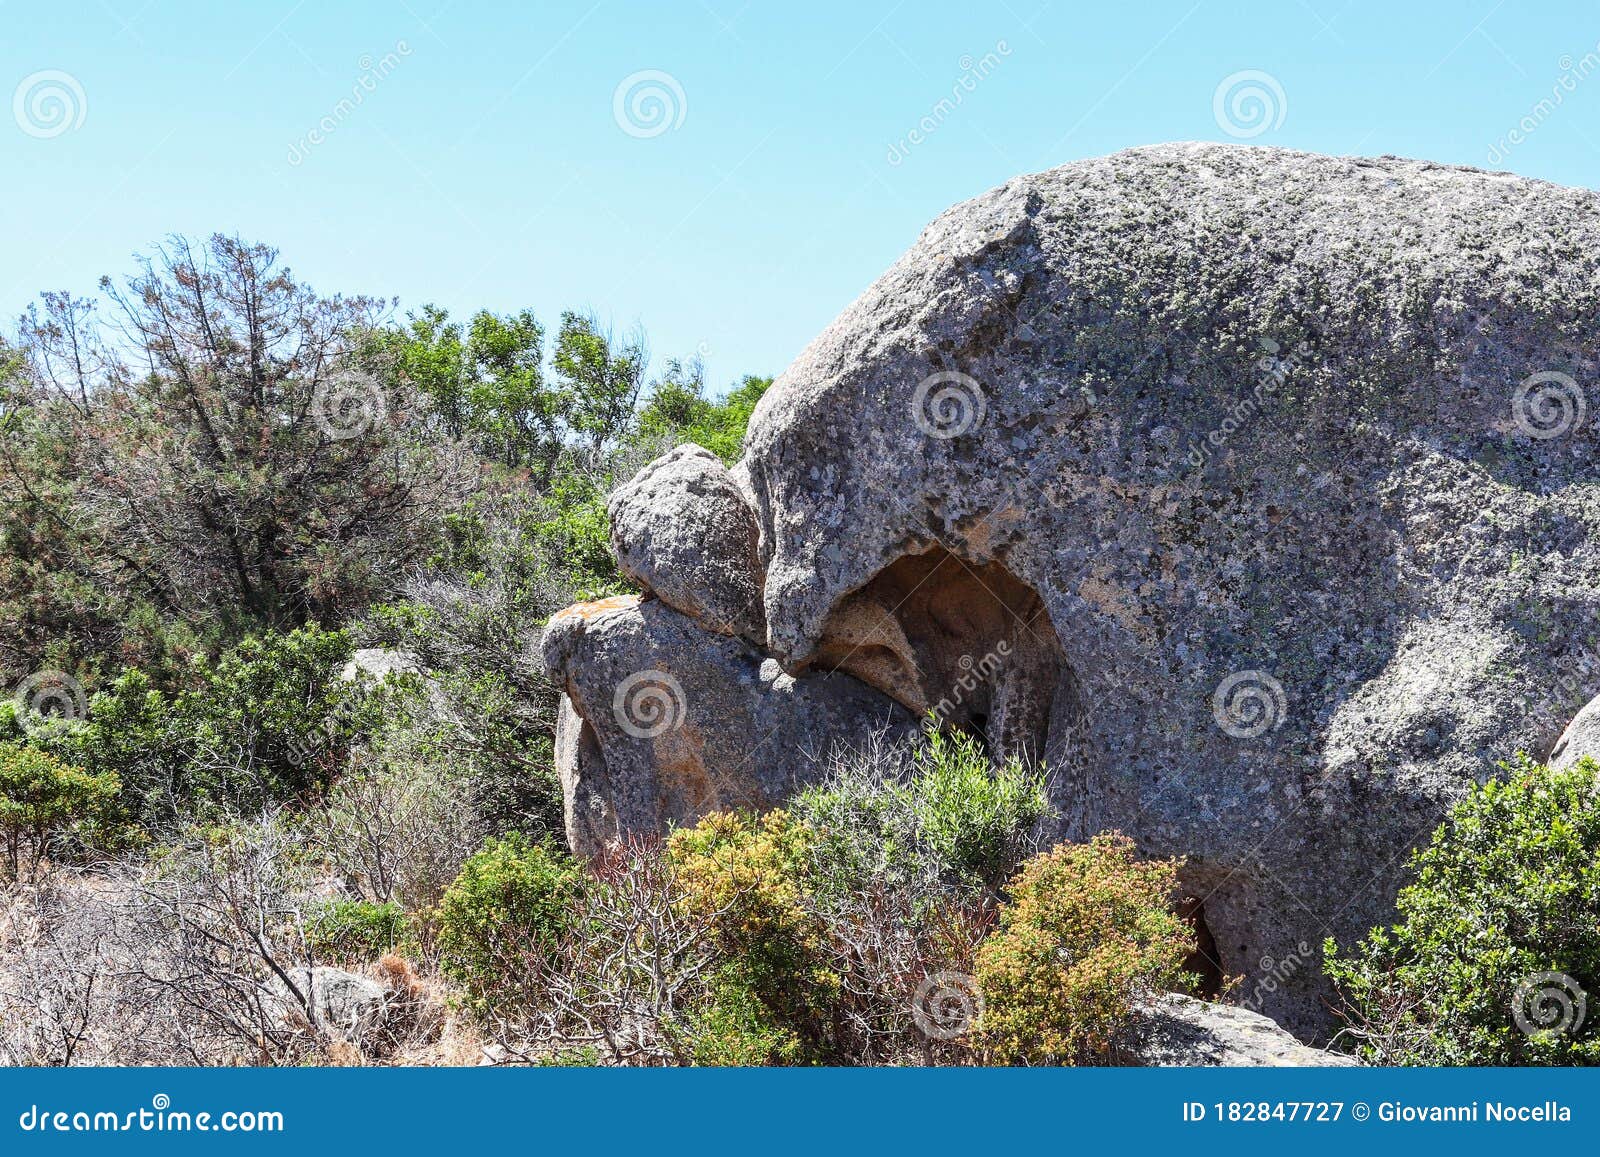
(1179, 1031)
(1580, 739)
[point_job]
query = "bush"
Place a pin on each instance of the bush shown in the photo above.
(1087, 929)
(511, 900)
(270, 720)
(40, 796)
(933, 809)
(1498, 942)
(354, 930)
(748, 877)
(398, 824)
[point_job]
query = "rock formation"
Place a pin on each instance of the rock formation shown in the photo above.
(663, 721)
(1256, 487)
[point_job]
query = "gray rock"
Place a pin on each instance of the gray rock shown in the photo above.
(380, 663)
(1255, 488)
(1176, 1030)
(1580, 739)
(343, 1003)
(662, 722)
(683, 531)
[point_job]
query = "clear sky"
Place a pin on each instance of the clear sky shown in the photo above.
(759, 173)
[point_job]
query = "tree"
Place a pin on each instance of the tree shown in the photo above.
(484, 387)
(233, 459)
(679, 411)
(601, 377)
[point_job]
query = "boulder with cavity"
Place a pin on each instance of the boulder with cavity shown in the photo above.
(1252, 490)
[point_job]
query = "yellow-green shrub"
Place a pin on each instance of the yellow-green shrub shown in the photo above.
(512, 900)
(747, 875)
(1087, 929)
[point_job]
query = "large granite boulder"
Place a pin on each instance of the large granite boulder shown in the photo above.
(1253, 490)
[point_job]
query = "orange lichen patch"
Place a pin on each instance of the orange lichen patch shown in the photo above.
(587, 611)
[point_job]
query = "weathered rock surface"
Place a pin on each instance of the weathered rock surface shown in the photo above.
(1177, 1030)
(683, 531)
(663, 722)
(1259, 487)
(1581, 738)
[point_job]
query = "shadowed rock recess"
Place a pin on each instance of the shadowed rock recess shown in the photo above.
(1252, 490)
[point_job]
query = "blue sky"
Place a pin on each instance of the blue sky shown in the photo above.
(496, 157)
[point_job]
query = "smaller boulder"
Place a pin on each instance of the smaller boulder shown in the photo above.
(683, 531)
(663, 721)
(344, 1003)
(1581, 738)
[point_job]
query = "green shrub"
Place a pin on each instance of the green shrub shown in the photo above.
(975, 821)
(40, 796)
(354, 930)
(939, 810)
(1086, 930)
(1501, 925)
(270, 720)
(734, 1027)
(512, 899)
